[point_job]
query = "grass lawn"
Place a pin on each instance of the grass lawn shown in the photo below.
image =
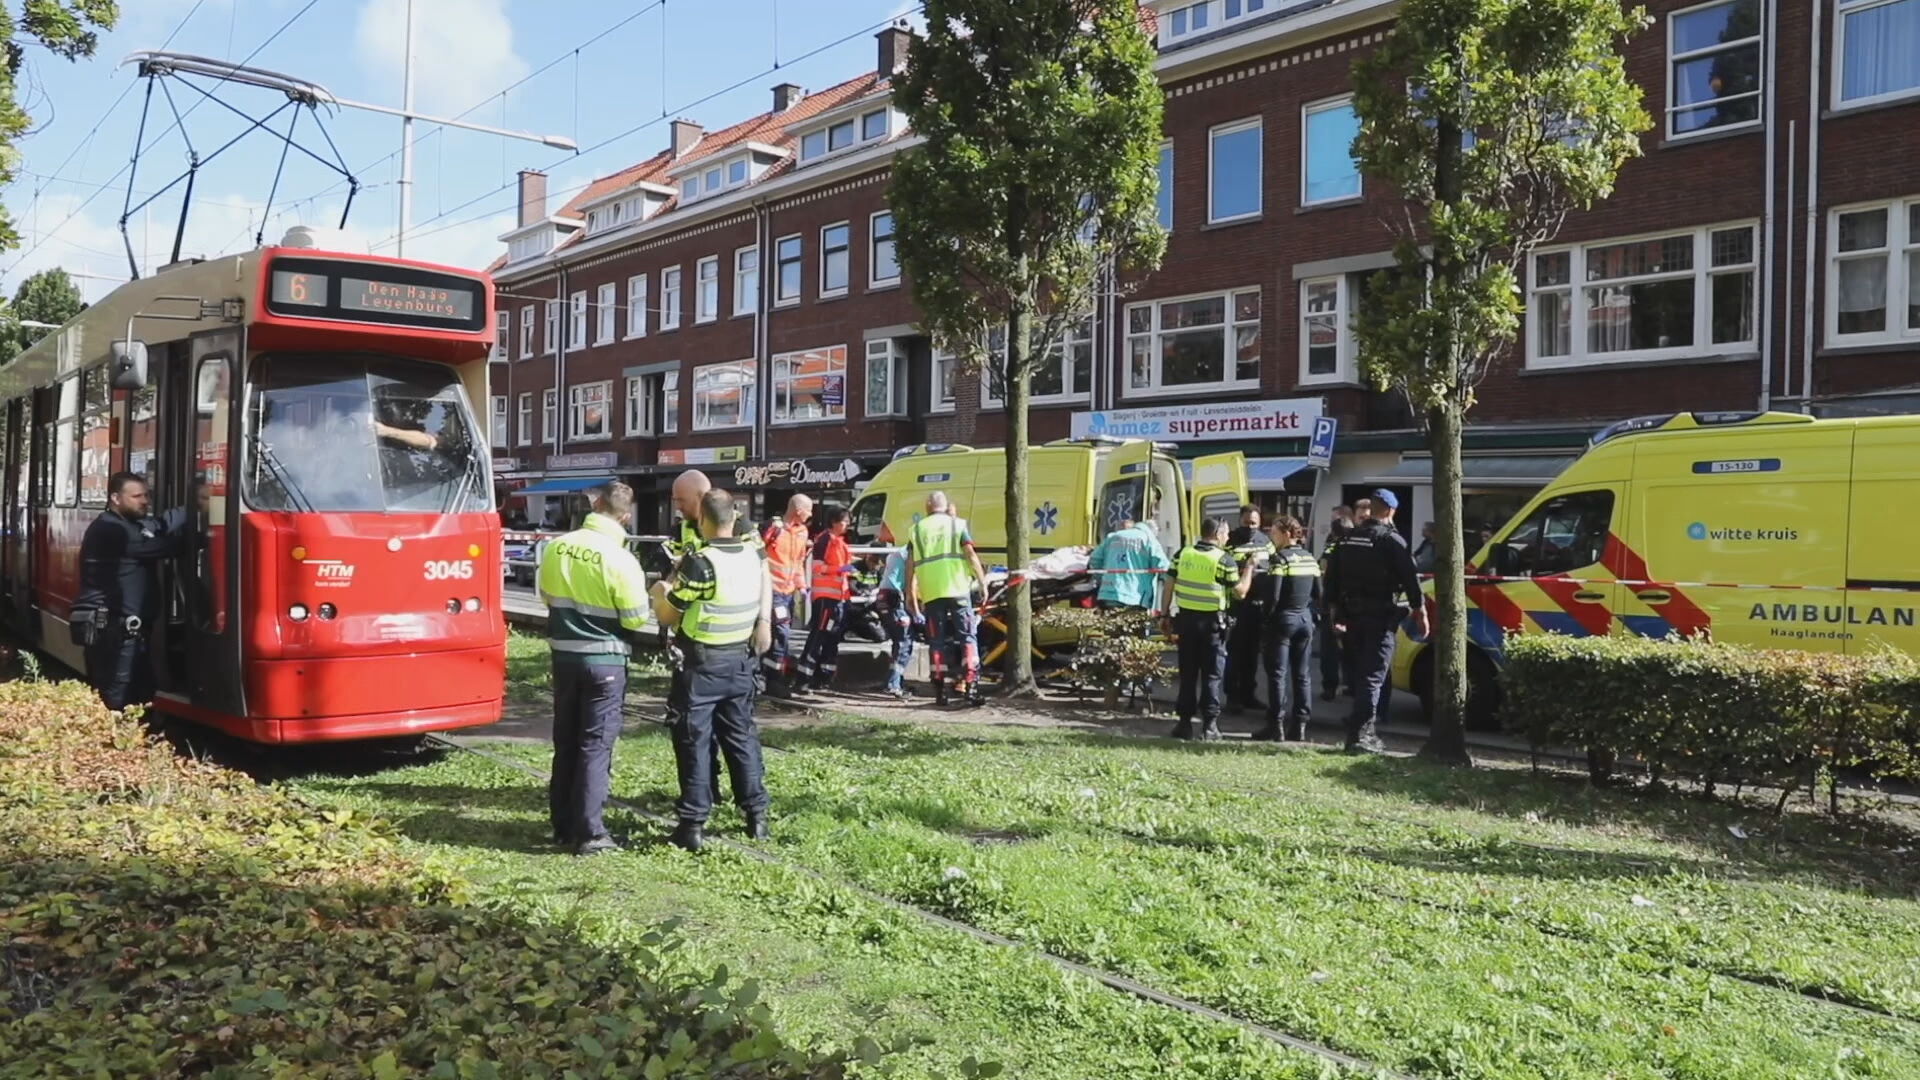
(1486, 924)
(530, 672)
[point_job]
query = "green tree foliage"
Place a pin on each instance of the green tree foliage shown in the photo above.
(1492, 119)
(49, 296)
(65, 28)
(1038, 173)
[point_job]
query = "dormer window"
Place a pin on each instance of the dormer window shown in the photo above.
(1192, 18)
(689, 189)
(736, 171)
(871, 126)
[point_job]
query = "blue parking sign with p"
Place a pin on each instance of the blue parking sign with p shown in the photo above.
(1320, 447)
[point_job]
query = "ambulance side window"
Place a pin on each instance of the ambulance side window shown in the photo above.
(1120, 501)
(868, 515)
(1561, 536)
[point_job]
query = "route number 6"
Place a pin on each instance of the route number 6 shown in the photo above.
(449, 570)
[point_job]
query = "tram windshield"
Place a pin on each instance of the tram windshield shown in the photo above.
(357, 433)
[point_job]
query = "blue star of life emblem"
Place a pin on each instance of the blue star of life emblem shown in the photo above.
(1119, 508)
(1046, 518)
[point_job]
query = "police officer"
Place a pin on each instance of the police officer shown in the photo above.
(688, 489)
(1287, 598)
(720, 604)
(596, 595)
(942, 568)
(1369, 573)
(1249, 544)
(1332, 664)
(1203, 575)
(113, 613)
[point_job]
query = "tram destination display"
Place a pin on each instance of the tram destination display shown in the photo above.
(374, 293)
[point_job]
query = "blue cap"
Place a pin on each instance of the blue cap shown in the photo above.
(1388, 497)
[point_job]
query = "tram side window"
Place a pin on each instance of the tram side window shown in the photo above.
(95, 436)
(66, 444)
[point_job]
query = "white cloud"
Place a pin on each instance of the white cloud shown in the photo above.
(463, 51)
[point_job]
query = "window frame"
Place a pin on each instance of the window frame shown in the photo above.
(552, 328)
(1307, 112)
(636, 306)
(577, 405)
(502, 334)
(670, 403)
(670, 312)
(1903, 287)
(527, 327)
(606, 312)
(893, 359)
(524, 430)
(1164, 199)
(1257, 125)
(1758, 40)
(749, 403)
(1156, 332)
(577, 321)
(746, 281)
(499, 438)
(1345, 363)
(846, 254)
(780, 263)
(775, 380)
(1579, 356)
(1081, 332)
(874, 281)
(549, 414)
(706, 289)
(1841, 10)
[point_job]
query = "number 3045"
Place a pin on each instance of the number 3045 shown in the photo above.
(449, 570)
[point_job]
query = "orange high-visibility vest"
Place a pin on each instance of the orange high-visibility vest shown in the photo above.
(830, 562)
(787, 558)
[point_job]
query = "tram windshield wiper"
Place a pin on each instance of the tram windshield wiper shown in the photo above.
(263, 452)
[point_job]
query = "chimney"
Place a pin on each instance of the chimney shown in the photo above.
(786, 96)
(685, 134)
(893, 47)
(533, 197)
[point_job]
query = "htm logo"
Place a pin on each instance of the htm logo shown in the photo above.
(334, 571)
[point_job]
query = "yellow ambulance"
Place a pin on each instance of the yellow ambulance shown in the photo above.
(1774, 530)
(1077, 490)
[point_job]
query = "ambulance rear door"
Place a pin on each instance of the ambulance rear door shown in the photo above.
(1125, 479)
(1219, 489)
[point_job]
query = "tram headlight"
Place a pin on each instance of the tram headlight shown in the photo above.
(453, 606)
(473, 603)
(298, 613)
(328, 611)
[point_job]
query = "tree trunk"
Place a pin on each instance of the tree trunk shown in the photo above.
(1448, 644)
(1019, 388)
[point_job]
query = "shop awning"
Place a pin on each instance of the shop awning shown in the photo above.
(562, 485)
(1263, 474)
(1511, 470)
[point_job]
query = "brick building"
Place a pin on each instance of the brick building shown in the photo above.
(1764, 252)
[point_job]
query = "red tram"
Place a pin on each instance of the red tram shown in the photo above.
(311, 418)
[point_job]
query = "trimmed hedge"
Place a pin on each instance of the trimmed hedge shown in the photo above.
(1716, 713)
(161, 917)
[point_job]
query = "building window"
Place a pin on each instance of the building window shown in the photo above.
(883, 262)
(746, 281)
(1879, 50)
(736, 171)
(587, 406)
(553, 326)
(1328, 172)
(723, 394)
(786, 258)
(1663, 297)
(526, 332)
(872, 126)
(1325, 340)
(810, 385)
(640, 398)
(526, 419)
(1873, 278)
(670, 298)
(607, 305)
(813, 144)
(945, 372)
(840, 136)
(1233, 171)
(1182, 21)
(1165, 195)
(497, 430)
(670, 403)
(502, 329)
(637, 306)
(577, 321)
(548, 400)
(706, 296)
(1065, 375)
(1713, 75)
(886, 379)
(834, 241)
(653, 403)
(1209, 342)
(689, 189)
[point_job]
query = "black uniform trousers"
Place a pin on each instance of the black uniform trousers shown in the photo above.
(1288, 640)
(1243, 654)
(713, 700)
(587, 695)
(1334, 668)
(1370, 642)
(1203, 664)
(118, 666)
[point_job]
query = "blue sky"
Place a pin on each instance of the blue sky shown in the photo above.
(667, 59)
